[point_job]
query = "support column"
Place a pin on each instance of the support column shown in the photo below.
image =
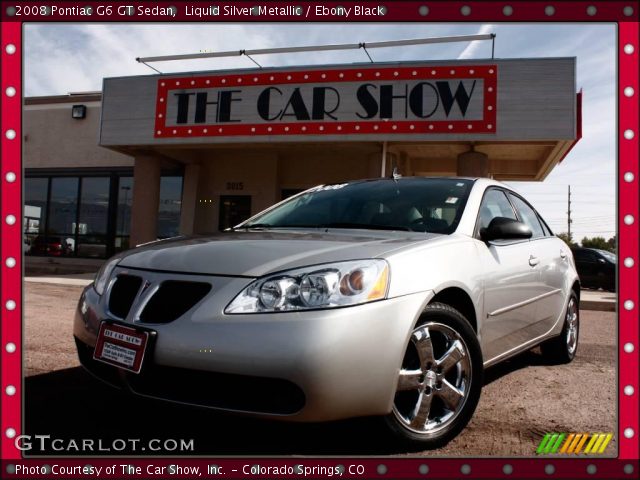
(146, 196)
(189, 198)
(473, 164)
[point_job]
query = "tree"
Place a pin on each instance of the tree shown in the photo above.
(566, 239)
(599, 243)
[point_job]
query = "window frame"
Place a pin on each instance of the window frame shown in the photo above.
(476, 229)
(540, 221)
(506, 192)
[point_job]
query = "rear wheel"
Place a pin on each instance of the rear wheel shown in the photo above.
(440, 380)
(562, 349)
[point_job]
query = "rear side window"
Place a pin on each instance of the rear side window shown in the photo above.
(528, 216)
(494, 204)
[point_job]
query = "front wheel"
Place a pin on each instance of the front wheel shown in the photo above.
(562, 349)
(440, 380)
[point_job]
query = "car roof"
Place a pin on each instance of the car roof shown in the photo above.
(480, 181)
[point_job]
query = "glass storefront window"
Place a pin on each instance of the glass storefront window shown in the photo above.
(93, 217)
(125, 198)
(83, 216)
(169, 206)
(36, 191)
(61, 224)
(123, 216)
(94, 206)
(35, 204)
(63, 205)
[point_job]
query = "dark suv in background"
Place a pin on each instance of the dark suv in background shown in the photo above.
(596, 268)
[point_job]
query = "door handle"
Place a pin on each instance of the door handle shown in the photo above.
(563, 254)
(533, 261)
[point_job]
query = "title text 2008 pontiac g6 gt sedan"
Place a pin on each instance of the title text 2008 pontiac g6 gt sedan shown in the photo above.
(384, 297)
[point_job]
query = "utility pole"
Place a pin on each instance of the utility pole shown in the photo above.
(569, 214)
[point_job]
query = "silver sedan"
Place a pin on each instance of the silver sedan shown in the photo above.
(385, 297)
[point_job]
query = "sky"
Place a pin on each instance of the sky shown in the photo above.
(63, 58)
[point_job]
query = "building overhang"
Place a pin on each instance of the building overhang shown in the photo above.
(524, 114)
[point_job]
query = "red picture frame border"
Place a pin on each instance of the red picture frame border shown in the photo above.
(625, 465)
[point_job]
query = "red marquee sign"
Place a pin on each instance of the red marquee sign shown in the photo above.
(421, 99)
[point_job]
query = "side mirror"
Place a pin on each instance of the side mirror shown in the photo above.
(502, 228)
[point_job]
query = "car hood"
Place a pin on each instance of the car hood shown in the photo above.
(254, 254)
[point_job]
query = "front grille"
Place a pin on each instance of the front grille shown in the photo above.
(173, 299)
(123, 293)
(219, 390)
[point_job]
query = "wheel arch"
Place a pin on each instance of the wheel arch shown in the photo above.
(576, 288)
(458, 298)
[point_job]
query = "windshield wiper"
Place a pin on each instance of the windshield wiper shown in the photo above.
(253, 225)
(365, 226)
(268, 225)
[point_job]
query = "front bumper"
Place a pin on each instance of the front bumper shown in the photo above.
(306, 366)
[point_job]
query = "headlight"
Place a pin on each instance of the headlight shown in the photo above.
(102, 277)
(320, 286)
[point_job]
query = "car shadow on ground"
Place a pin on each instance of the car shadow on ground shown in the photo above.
(71, 404)
(526, 359)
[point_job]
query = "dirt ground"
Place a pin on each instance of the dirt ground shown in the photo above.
(522, 400)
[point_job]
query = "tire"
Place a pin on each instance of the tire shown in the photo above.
(563, 348)
(445, 383)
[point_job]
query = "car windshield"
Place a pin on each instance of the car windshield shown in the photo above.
(410, 204)
(608, 255)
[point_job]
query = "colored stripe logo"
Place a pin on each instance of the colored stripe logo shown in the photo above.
(574, 443)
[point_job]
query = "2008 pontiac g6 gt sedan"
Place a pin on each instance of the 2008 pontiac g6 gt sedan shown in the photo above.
(384, 297)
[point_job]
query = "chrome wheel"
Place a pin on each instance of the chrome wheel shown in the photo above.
(434, 380)
(571, 320)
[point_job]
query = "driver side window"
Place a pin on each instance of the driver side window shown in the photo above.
(494, 204)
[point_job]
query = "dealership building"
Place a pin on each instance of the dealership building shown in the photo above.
(194, 153)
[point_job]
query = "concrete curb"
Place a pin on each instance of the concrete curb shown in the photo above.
(598, 305)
